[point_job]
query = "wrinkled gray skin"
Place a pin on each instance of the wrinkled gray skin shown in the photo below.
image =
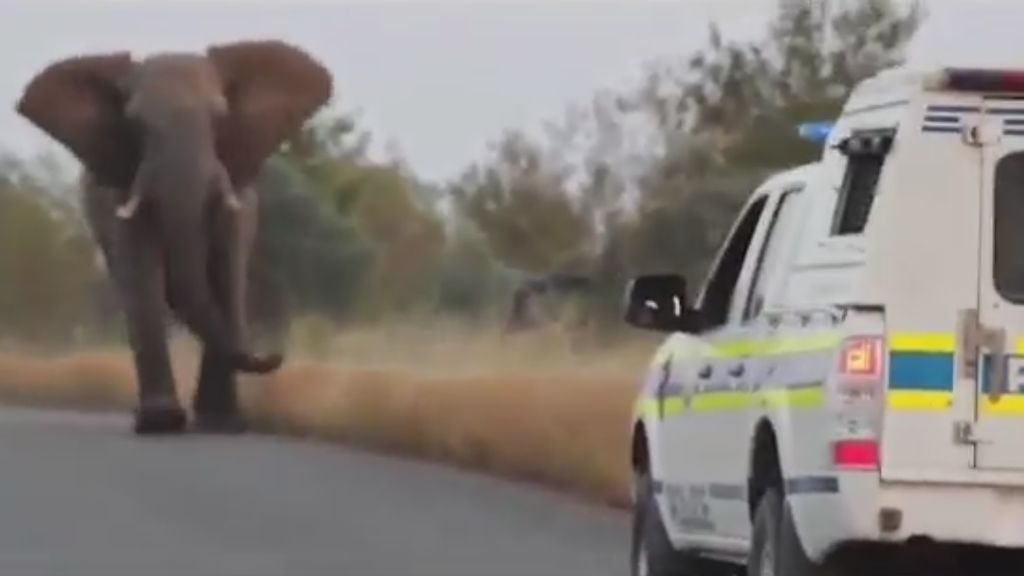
(170, 147)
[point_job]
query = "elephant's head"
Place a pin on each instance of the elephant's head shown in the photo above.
(109, 109)
(174, 129)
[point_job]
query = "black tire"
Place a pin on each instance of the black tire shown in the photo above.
(651, 545)
(775, 541)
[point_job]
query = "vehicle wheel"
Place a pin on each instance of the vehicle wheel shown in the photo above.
(775, 549)
(651, 553)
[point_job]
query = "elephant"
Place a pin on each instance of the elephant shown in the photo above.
(171, 146)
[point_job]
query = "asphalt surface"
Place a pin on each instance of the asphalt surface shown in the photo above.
(79, 495)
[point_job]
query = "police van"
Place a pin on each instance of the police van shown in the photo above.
(845, 395)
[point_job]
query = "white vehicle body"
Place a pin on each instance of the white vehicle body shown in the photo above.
(865, 339)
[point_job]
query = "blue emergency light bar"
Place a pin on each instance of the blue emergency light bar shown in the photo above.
(816, 131)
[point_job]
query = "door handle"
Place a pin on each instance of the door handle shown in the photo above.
(736, 371)
(974, 340)
(705, 372)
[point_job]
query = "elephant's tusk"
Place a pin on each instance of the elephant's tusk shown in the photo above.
(128, 209)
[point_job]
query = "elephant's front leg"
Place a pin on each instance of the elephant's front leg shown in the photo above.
(216, 400)
(137, 268)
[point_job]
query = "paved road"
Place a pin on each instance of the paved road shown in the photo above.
(80, 496)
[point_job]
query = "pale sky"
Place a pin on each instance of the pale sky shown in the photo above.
(443, 77)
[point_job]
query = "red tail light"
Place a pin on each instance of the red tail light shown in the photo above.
(861, 358)
(861, 454)
(861, 367)
(860, 391)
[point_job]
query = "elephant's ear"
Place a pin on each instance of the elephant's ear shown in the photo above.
(80, 103)
(272, 88)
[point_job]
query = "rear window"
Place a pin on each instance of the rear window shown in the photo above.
(866, 152)
(857, 194)
(1009, 227)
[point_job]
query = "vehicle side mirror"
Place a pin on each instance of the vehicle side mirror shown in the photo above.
(658, 302)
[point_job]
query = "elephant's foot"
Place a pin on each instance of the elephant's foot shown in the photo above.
(220, 423)
(253, 364)
(157, 420)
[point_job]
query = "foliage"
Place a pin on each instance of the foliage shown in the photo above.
(307, 258)
(471, 283)
(615, 200)
(46, 259)
(519, 204)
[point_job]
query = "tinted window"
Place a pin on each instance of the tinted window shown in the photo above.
(768, 265)
(866, 151)
(722, 284)
(1009, 227)
(857, 193)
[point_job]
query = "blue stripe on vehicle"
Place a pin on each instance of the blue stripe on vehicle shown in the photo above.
(921, 371)
(946, 129)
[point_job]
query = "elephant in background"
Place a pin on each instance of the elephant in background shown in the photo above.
(170, 147)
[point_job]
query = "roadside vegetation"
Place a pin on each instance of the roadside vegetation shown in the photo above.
(394, 295)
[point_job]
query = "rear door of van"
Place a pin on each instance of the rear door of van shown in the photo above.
(980, 368)
(946, 257)
(923, 265)
(999, 332)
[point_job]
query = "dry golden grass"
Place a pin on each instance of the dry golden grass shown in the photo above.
(528, 407)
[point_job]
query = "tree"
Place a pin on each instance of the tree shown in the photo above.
(471, 284)
(650, 179)
(729, 119)
(47, 264)
(408, 239)
(307, 258)
(521, 204)
(387, 216)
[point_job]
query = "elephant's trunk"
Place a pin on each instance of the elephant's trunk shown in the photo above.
(183, 211)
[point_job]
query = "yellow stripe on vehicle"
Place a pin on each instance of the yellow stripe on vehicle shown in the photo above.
(651, 408)
(794, 398)
(807, 343)
(1006, 404)
(920, 399)
(773, 346)
(814, 397)
(673, 405)
(922, 342)
(721, 400)
(732, 349)
(731, 400)
(933, 342)
(805, 397)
